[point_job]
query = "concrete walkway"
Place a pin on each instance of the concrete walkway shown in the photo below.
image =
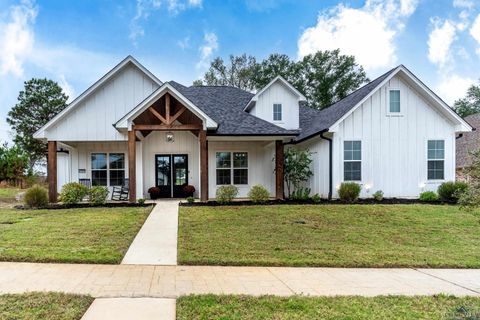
(131, 308)
(174, 281)
(156, 242)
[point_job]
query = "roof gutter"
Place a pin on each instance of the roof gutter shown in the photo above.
(330, 162)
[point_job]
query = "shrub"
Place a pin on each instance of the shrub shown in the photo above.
(226, 194)
(259, 194)
(73, 192)
(316, 198)
(154, 192)
(349, 191)
(190, 200)
(97, 195)
(428, 196)
(36, 197)
(141, 201)
(301, 194)
(378, 195)
(450, 191)
(189, 189)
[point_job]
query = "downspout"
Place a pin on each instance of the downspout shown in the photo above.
(330, 163)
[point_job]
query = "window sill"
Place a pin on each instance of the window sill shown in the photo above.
(394, 115)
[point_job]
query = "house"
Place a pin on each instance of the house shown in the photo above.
(467, 143)
(393, 134)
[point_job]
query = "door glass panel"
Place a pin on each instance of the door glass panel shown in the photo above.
(163, 170)
(180, 170)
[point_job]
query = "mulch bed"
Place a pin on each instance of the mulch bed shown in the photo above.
(54, 206)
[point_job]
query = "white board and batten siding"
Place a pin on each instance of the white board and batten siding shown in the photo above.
(260, 164)
(93, 119)
(394, 146)
(278, 93)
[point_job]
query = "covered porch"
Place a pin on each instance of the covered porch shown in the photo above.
(168, 143)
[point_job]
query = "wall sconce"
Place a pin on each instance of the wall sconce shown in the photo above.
(368, 187)
(169, 137)
(421, 185)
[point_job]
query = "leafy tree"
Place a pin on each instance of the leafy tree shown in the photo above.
(470, 198)
(238, 73)
(39, 102)
(324, 77)
(470, 104)
(13, 162)
(296, 168)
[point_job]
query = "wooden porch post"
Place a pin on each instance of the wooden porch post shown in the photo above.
(131, 167)
(52, 171)
(279, 159)
(203, 165)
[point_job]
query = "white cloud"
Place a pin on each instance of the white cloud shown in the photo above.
(209, 46)
(440, 41)
(368, 33)
(453, 87)
(145, 7)
(475, 31)
(184, 43)
(17, 37)
(467, 4)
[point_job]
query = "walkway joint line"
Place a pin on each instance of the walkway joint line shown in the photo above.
(451, 282)
(276, 277)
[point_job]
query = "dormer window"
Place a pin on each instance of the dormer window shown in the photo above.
(277, 112)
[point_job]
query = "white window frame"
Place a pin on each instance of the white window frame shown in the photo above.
(390, 113)
(428, 159)
(344, 160)
(281, 112)
(232, 168)
(125, 168)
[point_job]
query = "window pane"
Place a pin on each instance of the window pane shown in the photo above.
(240, 176)
(436, 149)
(436, 170)
(99, 161)
(277, 112)
(99, 177)
(117, 160)
(223, 160)
(117, 177)
(352, 150)
(240, 160)
(394, 100)
(352, 171)
(223, 176)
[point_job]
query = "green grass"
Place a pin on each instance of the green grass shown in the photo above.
(87, 235)
(8, 194)
(330, 235)
(40, 306)
(267, 307)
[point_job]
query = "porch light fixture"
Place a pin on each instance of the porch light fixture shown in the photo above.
(421, 185)
(169, 137)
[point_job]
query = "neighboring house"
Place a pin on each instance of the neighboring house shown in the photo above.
(466, 144)
(394, 134)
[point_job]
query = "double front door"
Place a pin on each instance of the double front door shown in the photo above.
(171, 174)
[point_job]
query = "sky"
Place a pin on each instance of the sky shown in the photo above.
(77, 42)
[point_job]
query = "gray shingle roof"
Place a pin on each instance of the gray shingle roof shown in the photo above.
(225, 106)
(313, 121)
(469, 142)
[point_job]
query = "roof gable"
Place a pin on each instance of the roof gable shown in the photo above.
(128, 61)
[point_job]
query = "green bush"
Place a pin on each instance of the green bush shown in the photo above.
(73, 192)
(97, 195)
(36, 197)
(450, 191)
(349, 191)
(190, 199)
(226, 194)
(428, 196)
(378, 195)
(316, 198)
(301, 194)
(141, 201)
(259, 194)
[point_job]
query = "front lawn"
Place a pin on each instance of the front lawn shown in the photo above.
(40, 306)
(330, 235)
(267, 307)
(87, 235)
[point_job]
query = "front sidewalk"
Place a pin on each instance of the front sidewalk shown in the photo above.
(174, 281)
